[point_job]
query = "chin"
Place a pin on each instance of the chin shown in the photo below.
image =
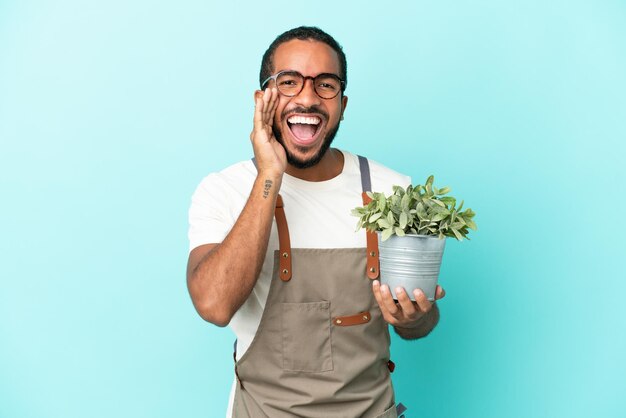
(305, 156)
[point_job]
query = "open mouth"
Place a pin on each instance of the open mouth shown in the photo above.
(304, 129)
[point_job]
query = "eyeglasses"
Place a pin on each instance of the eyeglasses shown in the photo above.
(290, 83)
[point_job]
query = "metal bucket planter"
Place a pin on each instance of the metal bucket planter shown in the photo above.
(411, 262)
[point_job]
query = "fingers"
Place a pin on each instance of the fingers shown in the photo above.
(270, 102)
(273, 104)
(405, 312)
(267, 95)
(405, 302)
(258, 109)
(381, 303)
(377, 295)
(265, 104)
(388, 301)
(422, 301)
(439, 293)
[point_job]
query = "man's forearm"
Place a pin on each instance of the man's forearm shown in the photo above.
(425, 325)
(224, 277)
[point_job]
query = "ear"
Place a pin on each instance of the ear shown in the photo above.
(344, 103)
(258, 94)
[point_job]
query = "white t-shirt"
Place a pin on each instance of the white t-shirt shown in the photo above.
(318, 215)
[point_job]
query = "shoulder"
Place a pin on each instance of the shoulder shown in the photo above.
(217, 201)
(228, 188)
(237, 177)
(383, 177)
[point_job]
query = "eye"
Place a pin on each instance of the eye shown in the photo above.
(327, 86)
(289, 80)
(328, 83)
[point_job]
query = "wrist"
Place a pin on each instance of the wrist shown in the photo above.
(432, 314)
(273, 175)
(415, 324)
(268, 185)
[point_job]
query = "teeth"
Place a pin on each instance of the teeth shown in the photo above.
(308, 120)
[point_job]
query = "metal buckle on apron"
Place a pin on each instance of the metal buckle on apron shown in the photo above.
(400, 409)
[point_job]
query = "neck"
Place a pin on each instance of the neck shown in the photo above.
(330, 166)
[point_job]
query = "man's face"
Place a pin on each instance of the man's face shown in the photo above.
(306, 124)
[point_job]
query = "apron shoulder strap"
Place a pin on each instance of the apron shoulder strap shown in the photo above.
(366, 179)
(284, 244)
(373, 263)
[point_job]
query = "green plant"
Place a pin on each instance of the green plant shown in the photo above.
(421, 210)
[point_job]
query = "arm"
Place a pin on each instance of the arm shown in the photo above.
(411, 320)
(220, 277)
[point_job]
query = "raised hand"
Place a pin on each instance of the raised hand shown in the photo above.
(270, 155)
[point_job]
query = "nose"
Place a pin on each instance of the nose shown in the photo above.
(308, 97)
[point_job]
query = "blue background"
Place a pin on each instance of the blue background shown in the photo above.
(112, 112)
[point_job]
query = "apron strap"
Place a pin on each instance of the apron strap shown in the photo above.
(373, 263)
(284, 245)
(366, 178)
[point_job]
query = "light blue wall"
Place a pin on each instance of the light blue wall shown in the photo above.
(111, 113)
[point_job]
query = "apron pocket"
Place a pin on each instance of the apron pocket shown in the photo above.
(306, 337)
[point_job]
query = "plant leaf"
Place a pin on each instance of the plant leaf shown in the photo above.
(457, 234)
(382, 223)
(382, 202)
(374, 217)
(456, 225)
(387, 233)
(357, 212)
(421, 211)
(450, 201)
(404, 203)
(404, 219)
(440, 216)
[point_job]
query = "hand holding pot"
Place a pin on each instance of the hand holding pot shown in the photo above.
(405, 313)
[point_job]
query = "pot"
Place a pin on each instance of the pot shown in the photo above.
(411, 262)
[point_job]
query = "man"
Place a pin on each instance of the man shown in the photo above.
(288, 272)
